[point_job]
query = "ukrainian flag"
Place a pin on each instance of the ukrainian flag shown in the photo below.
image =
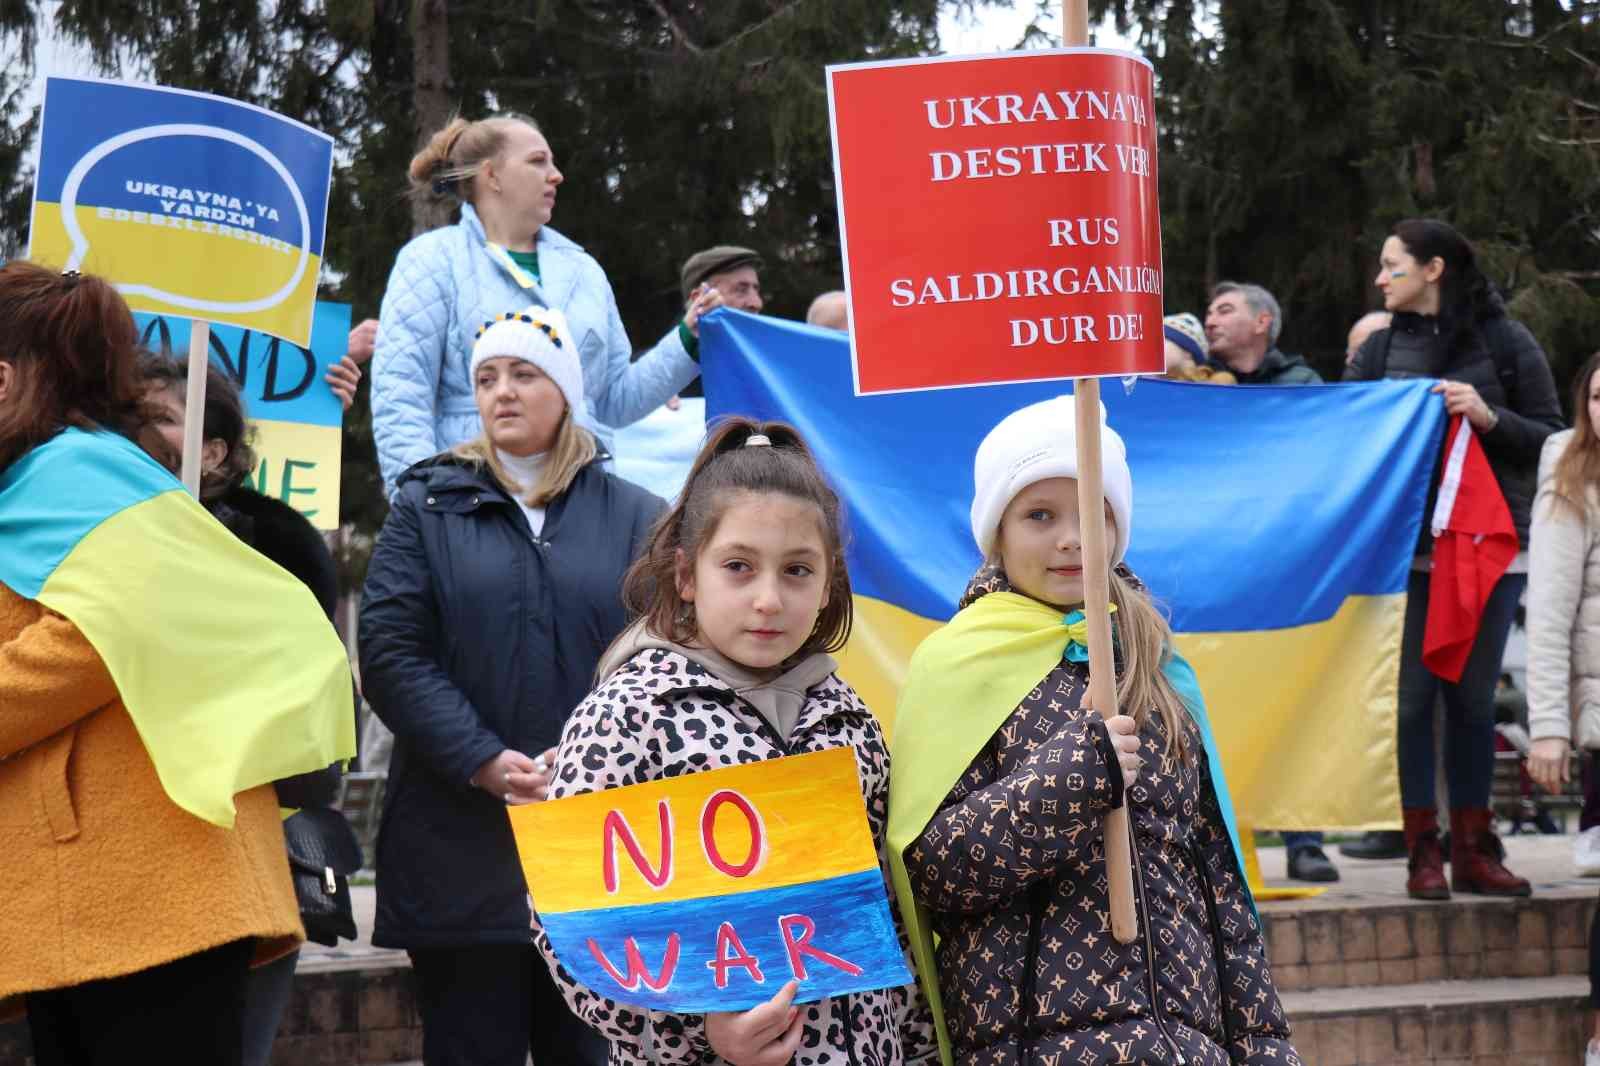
(709, 891)
(1276, 525)
(225, 662)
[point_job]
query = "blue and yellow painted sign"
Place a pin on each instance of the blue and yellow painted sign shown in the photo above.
(298, 441)
(193, 205)
(710, 891)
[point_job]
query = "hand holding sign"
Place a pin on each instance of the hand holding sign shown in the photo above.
(767, 1035)
(701, 893)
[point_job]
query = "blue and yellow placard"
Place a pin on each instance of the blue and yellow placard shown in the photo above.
(710, 891)
(190, 204)
(298, 440)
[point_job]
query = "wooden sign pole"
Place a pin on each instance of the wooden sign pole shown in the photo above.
(1097, 587)
(194, 417)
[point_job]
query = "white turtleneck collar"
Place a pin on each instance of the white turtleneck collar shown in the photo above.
(525, 470)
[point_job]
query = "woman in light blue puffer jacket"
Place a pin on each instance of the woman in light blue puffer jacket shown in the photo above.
(502, 256)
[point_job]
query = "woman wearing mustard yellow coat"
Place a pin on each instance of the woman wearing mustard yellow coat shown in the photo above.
(133, 900)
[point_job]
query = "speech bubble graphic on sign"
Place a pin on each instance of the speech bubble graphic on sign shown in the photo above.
(190, 204)
(998, 217)
(710, 891)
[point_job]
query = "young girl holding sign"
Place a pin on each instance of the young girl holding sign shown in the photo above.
(1002, 773)
(742, 593)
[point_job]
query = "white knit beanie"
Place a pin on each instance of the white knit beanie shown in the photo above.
(536, 335)
(1037, 443)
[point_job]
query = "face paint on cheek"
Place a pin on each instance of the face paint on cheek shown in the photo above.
(1396, 275)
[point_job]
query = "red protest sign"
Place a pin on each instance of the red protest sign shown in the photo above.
(999, 218)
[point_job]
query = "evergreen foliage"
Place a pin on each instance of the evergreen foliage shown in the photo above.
(1293, 134)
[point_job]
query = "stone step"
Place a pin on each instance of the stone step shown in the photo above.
(1361, 944)
(1535, 1021)
(1365, 932)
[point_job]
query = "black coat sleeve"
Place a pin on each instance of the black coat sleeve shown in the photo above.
(1360, 368)
(994, 836)
(400, 640)
(1534, 412)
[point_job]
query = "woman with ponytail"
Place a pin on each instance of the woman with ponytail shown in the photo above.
(502, 254)
(739, 599)
(1450, 323)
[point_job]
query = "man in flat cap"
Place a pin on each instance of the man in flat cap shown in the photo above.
(730, 270)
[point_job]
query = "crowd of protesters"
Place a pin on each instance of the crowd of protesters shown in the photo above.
(533, 626)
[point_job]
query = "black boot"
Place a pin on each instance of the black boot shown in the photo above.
(1378, 844)
(1311, 863)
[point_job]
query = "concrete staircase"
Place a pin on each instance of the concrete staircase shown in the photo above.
(1370, 976)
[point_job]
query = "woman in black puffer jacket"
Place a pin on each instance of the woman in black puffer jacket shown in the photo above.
(1450, 323)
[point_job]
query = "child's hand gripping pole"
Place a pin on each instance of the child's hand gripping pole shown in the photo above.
(1102, 669)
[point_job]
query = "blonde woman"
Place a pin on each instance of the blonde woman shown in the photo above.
(1564, 617)
(503, 254)
(493, 590)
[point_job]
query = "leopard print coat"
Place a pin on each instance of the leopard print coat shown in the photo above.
(661, 715)
(1012, 869)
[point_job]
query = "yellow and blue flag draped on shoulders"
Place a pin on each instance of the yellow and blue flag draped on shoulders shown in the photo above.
(1276, 524)
(225, 662)
(964, 681)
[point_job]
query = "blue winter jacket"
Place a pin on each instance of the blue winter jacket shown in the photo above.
(476, 636)
(444, 285)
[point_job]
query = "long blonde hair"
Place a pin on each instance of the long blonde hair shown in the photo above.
(1578, 469)
(574, 449)
(1144, 640)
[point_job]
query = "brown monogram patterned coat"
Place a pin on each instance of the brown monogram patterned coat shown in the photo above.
(1013, 870)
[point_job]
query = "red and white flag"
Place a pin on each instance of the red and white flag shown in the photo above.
(1474, 542)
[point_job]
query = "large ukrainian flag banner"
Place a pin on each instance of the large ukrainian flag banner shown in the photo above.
(228, 667)
(192, 205)
(1276, 524)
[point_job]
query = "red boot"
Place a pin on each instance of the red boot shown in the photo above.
(1426, 859)
(1476, 856)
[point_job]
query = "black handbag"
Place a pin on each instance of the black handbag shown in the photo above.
(323, 853)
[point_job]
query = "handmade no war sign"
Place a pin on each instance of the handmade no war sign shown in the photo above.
(190, 204)
(999, 218)
(296, 417)
(710, 891)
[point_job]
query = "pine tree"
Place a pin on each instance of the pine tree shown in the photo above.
(1295, 134)
(678, 123)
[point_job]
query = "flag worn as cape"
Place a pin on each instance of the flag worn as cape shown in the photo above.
(1474, 542)
(964, 681)
(227, 665)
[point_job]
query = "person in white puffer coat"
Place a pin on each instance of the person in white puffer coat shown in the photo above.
(502, 255)
(1564, 626)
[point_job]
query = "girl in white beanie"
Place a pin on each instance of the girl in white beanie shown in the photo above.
(1002, 774)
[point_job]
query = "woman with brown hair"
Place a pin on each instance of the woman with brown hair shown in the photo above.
(1450, 323)
(501, 254)
(492, 592)
(144, 872)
